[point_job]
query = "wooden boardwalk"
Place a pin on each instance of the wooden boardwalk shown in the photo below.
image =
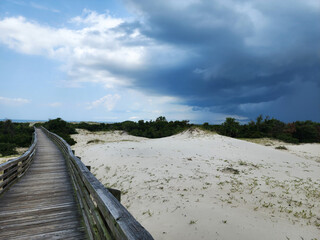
(42, 205)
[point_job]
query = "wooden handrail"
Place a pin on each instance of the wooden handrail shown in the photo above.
(104, 216)
(14, 169)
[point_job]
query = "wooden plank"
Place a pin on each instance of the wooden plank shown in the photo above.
(55, 235)
(40, 210)
(41, 205)
(40, 229)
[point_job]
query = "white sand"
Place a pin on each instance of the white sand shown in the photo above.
(180, 187)
(308, 150)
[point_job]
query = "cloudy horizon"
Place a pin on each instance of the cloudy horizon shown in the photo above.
(128, 60)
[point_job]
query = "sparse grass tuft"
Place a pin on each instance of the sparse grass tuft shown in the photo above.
(230, 170)
(243, 163)
(148, 212)
(281, 148)
(193, 222)
(95, 141)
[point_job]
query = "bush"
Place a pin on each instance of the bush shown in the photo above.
(281, 148)
(230, 127)
(287, 138)
(61, 128)
(14, 135)
(150, 129)
(7, 149)
(307, 132)
(296, 132)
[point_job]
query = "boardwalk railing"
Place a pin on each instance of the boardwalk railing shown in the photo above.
(12, 170)
(104, 216)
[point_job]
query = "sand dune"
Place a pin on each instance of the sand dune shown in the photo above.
(198, 185)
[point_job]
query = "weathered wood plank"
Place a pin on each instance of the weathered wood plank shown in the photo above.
(40, 210)
(41, 205)
(67, 234)
(42, 229)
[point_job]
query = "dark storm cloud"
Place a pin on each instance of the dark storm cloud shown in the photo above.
(247, 57)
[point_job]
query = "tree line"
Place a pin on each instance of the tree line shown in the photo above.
(149, 129)
(295, 132)
(14, 135)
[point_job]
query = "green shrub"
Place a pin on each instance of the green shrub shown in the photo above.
(281, 148)
(14, 135)
(295, 132)
(307, 132)
(150, 129)
(230, 127)
(287, 138)
(61, 128)
(7, 149)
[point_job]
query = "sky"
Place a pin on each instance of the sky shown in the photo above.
(192, 60)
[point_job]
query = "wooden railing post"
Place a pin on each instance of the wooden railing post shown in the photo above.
(116, 193)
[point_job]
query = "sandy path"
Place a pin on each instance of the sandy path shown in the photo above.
(204, 186)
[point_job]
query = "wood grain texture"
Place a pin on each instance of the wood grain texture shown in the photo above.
(41, 205)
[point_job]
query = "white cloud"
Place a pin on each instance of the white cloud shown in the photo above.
(93, 18)
(109, 101)
(32, 38)
(94, 50)
(13, 101)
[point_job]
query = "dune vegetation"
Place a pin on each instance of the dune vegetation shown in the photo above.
(13, 135)
(62, 128)
(295, 132)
